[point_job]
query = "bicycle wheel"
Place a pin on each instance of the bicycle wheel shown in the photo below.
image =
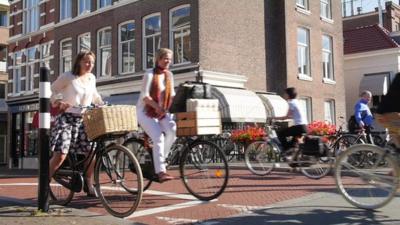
(369, 186)
(205, 178)
(119, 190)
(60, 192)
(137, 148)
(319, 166)
(260, 157)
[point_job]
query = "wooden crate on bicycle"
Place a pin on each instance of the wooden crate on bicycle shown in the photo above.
(198, 123)
(110, 119)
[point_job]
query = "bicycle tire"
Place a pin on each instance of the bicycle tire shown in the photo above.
(320, 168)
(136, 146)
(353, 181)
(345, 141)
(116, 156)
(63, 181)
(193, 171)
(260, 157)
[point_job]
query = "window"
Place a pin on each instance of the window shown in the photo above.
(303, 52)
(3, 18)
(329, 109)
(326, 9)
(65, 9)
(151, 39)
(17, 72)
(104, 52)
(327, 59)
(305, 107)
(127, 47)
(180, 34)
(31, 16)
(103, 3)
(302, 4)
(65, 56)
(44, 55)
(84, 6)
(84, 42)
(30, 68)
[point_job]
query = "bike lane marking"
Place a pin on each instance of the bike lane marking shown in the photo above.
(162, 209)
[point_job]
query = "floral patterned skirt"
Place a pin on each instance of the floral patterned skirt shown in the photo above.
(68, 134)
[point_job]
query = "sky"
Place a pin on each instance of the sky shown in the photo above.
(368, 5)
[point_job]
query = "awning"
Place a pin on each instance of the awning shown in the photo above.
(377, 84)
(239, 105)
(123, 99)
(275, 105)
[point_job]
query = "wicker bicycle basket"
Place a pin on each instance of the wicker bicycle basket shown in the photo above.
(110, 119)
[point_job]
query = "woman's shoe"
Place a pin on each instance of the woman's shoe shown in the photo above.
(163, 176)
(90, 192)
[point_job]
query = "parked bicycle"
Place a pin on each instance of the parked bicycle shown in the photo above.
(119, 190)
(202, 164)
(314, 161)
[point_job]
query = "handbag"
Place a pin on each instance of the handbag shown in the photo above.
(189, 90)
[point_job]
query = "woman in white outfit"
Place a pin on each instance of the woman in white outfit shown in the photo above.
(152, 110)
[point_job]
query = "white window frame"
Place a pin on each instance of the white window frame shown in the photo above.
(120, 61)
(302, 4)
(62, 57)
(17, 79)
(304, 61)
(99, 1)
(87, 6)
(67, 10)
(30, 25)
(328, 5)
(331, 105)
(78, 47)
(308, 112)
(30, 70)
(328, 77)
(172, 30)
(144, 37)
(45, 59)
(99, 58)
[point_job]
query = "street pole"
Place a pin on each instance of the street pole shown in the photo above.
(44, 140)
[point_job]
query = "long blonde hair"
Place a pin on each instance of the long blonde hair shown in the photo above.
(161, 53)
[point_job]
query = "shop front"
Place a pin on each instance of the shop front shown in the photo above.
(23, 136)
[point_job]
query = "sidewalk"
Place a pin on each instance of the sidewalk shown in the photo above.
(15, 211)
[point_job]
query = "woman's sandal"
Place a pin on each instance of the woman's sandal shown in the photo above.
(163, 176)
(89, 193)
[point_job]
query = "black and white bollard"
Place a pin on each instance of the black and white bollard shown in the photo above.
(44, 139)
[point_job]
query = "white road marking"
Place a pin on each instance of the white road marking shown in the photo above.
(151, 192)
(177, 220)
(166, 208)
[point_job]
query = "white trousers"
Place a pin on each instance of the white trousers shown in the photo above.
(162, 133)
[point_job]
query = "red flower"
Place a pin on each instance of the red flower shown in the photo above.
(248, 134)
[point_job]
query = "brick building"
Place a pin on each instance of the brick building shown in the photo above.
(305, 50)
(4, 7)
(235, 48)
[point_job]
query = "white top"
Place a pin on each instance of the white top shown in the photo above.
(295, 113)
(72, 91)
(146, 85)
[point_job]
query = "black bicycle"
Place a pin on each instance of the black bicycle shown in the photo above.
(202, 166)
(119, 190)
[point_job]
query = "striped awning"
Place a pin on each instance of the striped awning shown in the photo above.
(275, 105)
(239, 105)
